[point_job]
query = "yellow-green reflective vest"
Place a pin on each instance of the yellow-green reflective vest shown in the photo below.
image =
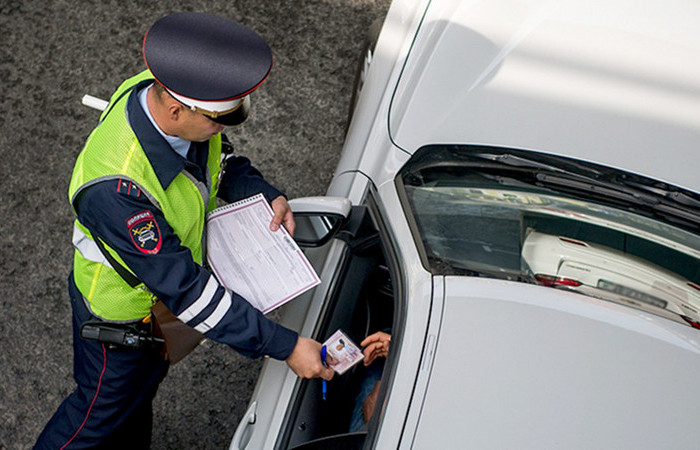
(113, 152)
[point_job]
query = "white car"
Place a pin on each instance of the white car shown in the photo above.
(483, 131)
(611, 274)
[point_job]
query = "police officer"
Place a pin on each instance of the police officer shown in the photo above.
(140, 189)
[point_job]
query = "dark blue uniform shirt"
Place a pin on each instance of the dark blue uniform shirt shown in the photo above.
(171, 274)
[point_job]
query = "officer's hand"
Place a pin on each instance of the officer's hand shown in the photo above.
(305, 360)
(283, 215)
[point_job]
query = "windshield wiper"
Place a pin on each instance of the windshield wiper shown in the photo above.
(666, 192)
(450, 266)
(587, 181)
(626, 195)
(540, 163)
(598, 188)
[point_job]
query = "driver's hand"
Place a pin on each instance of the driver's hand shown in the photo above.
(375, 346)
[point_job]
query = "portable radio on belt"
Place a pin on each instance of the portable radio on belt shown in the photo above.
(120, 336)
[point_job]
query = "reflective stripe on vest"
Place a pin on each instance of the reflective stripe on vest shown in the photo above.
(87, 247)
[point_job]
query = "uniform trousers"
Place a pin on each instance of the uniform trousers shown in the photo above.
(112, 404)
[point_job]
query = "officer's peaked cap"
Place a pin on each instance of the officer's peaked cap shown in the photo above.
(207, 62)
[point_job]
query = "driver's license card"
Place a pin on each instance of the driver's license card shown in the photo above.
(341, 352)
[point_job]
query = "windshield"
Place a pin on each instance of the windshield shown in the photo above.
(556, 222)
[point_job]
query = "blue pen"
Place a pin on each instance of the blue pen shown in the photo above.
(324, 385)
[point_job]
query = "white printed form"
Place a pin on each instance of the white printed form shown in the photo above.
(266, 268)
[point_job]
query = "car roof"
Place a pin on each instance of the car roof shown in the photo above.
(615, 82)
(522, 366)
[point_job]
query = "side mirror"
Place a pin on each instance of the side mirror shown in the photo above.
(318, 219)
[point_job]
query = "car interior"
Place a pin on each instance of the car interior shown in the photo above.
(361, 303)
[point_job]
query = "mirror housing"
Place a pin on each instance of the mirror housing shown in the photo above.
(318, 219)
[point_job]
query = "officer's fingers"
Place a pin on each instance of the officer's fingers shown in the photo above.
(281, 209)
(327, 373)
(289, 223)
(276, 221)
(305, 360)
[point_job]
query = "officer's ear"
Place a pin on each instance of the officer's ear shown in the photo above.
(166, 105)
(176, 110)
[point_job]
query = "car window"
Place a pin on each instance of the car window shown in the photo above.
(360, 302)
(556, 222)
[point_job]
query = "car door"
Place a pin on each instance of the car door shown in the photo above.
(356, 295)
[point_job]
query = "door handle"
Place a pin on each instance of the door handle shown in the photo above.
(242, 435)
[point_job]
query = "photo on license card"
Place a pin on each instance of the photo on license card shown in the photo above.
(341, 352)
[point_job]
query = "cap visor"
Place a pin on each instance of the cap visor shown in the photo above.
(236, 117)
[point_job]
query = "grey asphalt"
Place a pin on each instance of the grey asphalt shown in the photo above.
(53, 52)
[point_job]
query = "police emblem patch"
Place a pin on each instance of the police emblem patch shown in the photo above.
(144, 232)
